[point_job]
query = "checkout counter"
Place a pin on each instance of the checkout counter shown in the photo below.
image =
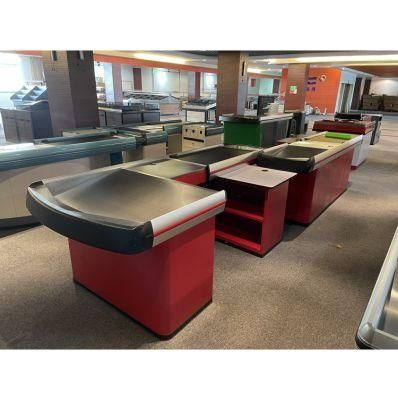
(349, 128)
(376, 118)
(262, 131)
(152, 256)
(22, 164)
(322, 169)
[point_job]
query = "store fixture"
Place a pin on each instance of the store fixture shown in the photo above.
(200, 110)
(322, 174)
(254, 215)
(22, 164)
(379, 325)
(27, 122)
(152, 256)
(262, 131)
(166, 103)
(199, 135)
(28, 94)
(376, 118)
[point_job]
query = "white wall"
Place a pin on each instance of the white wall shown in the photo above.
(266, 86)
(127, 78)
(348, 77)
(147, 79)
(208, 84)
(166, 80)
(384, 86)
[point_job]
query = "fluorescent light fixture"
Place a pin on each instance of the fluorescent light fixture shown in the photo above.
(336, 59)
(255, 70)
(160, 58)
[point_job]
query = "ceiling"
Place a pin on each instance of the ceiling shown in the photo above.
(267, 53)
(271, 62)
(382, 71)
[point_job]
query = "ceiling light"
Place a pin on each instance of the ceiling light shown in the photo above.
(254, 70)
(336, 59)
(160, 58)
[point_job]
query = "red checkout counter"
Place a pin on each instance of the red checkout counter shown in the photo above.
(143, 243)
(365, 128)
(322, 175)
(141, 234)
(345, 126)
(253, 218)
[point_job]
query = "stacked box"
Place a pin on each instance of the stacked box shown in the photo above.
(390, 103)
(371, 102)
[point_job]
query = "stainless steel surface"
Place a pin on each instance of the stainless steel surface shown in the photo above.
(379, 326)
(254, 175)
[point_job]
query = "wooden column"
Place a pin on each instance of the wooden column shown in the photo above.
(137, 77)
(71, 89)
(296, 87)
(366, 87)
(113, 82)
(231, 82)
(193, 85)
(276, 85)
(356, 96)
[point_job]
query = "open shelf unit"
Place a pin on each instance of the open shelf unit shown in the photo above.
(254, 215)
(243, 219)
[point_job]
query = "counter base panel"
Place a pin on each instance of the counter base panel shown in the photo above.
(194, 178)
(161, 288)
(311, 193)
(361, 151)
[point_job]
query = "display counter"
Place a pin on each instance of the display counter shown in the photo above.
(261, 131)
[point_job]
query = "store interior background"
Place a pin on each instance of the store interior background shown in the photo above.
(155, 75)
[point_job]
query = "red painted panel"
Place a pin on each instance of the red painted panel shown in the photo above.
(311, 193)
(274, 216)
(195, 178)
(161, 288)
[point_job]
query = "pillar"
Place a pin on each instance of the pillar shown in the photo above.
(366, 88)
(193, 85)
(276, 85)
(71, 89)
(137, 78)
(356, 97)
(231, 82)
(113, 82)
(296, 87)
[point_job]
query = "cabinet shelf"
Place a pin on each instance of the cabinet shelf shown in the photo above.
(238, 241)
(244, 210)
(240, 232)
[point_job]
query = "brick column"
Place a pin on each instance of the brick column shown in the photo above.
(296, 87)
(231, 82)
(71, 89)
(113, 82)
